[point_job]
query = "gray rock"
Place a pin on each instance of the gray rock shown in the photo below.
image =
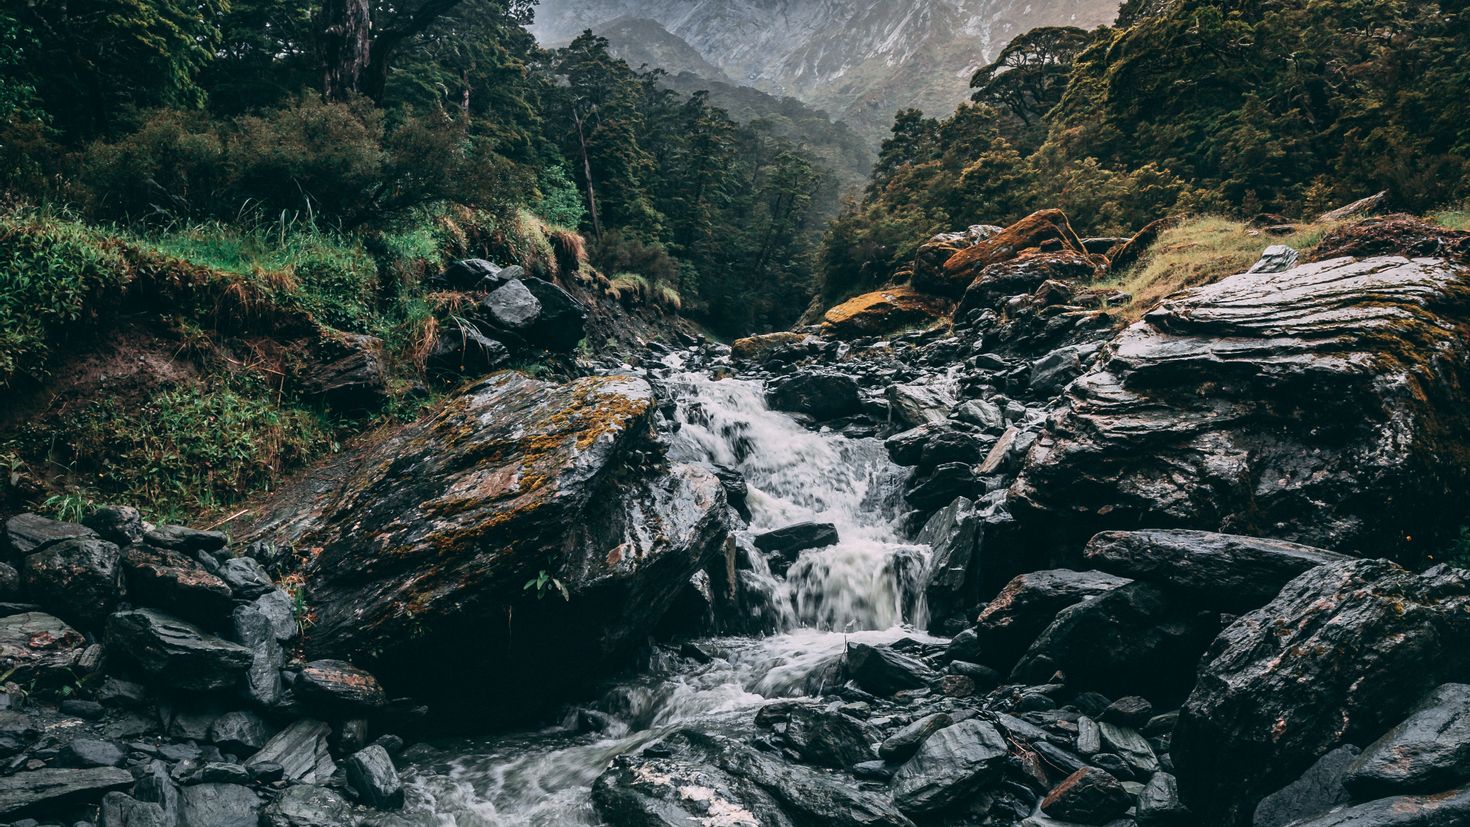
(122, 810)
(26, 534)
(1087, 796)
(1011, 621)
(1278, 258)
(827, 738)
(156, 786)
(1089, 737)
(1370, 205)
(91, 752)
(901, 745)
(246, 577)
(462, 350)
(918, 404)
(370, 771)
(953, 537)
(561, 325)
(1159, 804)
(79, 579)
(1428, 752)
(174, 580)
(339, 687)
(1220, 570)
(185, 539)
(301, 750)
(280, 610)
(36, 647)
(1318, 790)
(1447, 809)
(219, 805)
(883, 671)
(174, 653)
(985, 415)
(306, 805)
(239, 732)
(511, 307)
(53, 787)
(256, 631)
(1052, 372)
(950, 765)
(821, 395)
(119, 524)
(1129, 745)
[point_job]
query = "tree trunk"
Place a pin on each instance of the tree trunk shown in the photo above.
(345, 31)
(587, 174)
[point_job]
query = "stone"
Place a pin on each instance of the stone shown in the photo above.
(350, 377)
(950, 765)
(26, 534)
(917, 404)
(1310, 405)
(1357, 209)
(901, 745)
(122, 810)
(167, 578)
(1428, 752)
(245, 577)
(184, 539)
(765, 348)
(561, 324)
(511, 307)
(1134, 640)
(1087, 796)
(78, 579)
(429, 535)
(1052, 372)
(1446, 809)
(666, 792)
(1318, 790)
(1029, 233)
(943, 485)
(176, 654)
(336, 686)
(1221, 570)
(475, 274)
(462, 350)
(370, 771)
(121, 525)
(9, 583)
(254, 630)
(1344, 652)
(1131, 711)
(789, 541)
(885, 311)
(827, 738)
(91, 752)
(1029, 273)
(307, 805)
(883, 671)
(53, 787)
(1089, 737)
(278, 608)
(1159, 804)
(953, 537)
(300, 750)
(1128, 744)
(218, 805)
(1028, 604)
(1278, 258)
(1124, 256)
(822, 395)
(984, 415)
(38, 648)
(240, 732)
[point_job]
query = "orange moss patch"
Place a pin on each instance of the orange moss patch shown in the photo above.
(884, 311)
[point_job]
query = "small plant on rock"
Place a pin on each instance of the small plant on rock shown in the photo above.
(544, 583)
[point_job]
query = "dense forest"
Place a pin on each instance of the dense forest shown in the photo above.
(1284, 106)
(358, 119)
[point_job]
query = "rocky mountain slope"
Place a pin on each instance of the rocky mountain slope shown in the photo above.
(860, 60)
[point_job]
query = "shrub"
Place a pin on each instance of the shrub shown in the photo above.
(55, 273)
(618, 252)
(561, 201)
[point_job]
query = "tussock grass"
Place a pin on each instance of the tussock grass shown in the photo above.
(1458, 219)
(1200, 251)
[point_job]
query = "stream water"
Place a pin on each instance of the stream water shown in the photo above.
(866, 588)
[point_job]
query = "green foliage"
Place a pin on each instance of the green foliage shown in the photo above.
(561, 203)
(54, 273)
(68, 508)
(544, 584)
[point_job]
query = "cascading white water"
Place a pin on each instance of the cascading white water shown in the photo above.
(863, 589)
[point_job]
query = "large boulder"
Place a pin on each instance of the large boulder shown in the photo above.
(174, 654)
(1031, 232)
(1428, 752)
(952, 764)
(1225, 571)
(562, 322)
(79, 579)
(26, 534)
(884, 311)
(819, 394)
(1319, 405)
(351, 378)
(1445, 809)
(484, 550)
(1028, 604)
(38, 648)
(52, 787)
(1344, 652)
(172, 579)
(1024, 274)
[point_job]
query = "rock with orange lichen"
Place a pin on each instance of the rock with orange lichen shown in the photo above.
(884, 311)
(1046, 230)
(1344, 652)
(511, 545)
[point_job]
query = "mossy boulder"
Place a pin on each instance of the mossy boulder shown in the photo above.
(1046, 230)
(1325, 405)
(884, 311)
(511, 545)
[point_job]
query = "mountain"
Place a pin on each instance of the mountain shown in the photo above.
(860, 60)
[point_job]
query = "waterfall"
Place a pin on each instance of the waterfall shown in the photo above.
(868, 587)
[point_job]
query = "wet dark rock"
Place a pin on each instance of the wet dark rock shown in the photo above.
(216, 772)
(300, 750)
(1318, 790)
(1159, 804)
(256, 631)
(246, 577)
(883, 671)
(1131, 711)
(645, 791)
(476, 274)
(187, 540)
(90, 752)
(1446, 809)
(561, 324)
(918, 404)
(1134, 640)
(1051, 373)
(218, 805)
(827, 738)
(511, 307)
(78, 579)
(791, 540)
(818, 394)
(9, 582)
(38, 648)
(240, 732)
(1310, 405)
(1028, 604)
(121, 525)
(1428, 752)
(52, 787)
(176, 654)
(1369, 205)
(156, 786)
(1341, 654)
(901, 745)
(950, 765)
(1221, 570)
(370, 771)
(953, 537)
(278, 608)
(353, 382)
(947, 482)
(125, 694)
(26, 534)
(510, 478)
(462, 350)
(122, 810)
(172, 579)
(1129, 745)
(339, 687)
(307, 805)
(1087, 796)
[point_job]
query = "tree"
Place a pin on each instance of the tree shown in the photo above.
(1029, 76)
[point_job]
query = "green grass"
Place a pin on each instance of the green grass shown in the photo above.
(1200, 251)
(1453, 219)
